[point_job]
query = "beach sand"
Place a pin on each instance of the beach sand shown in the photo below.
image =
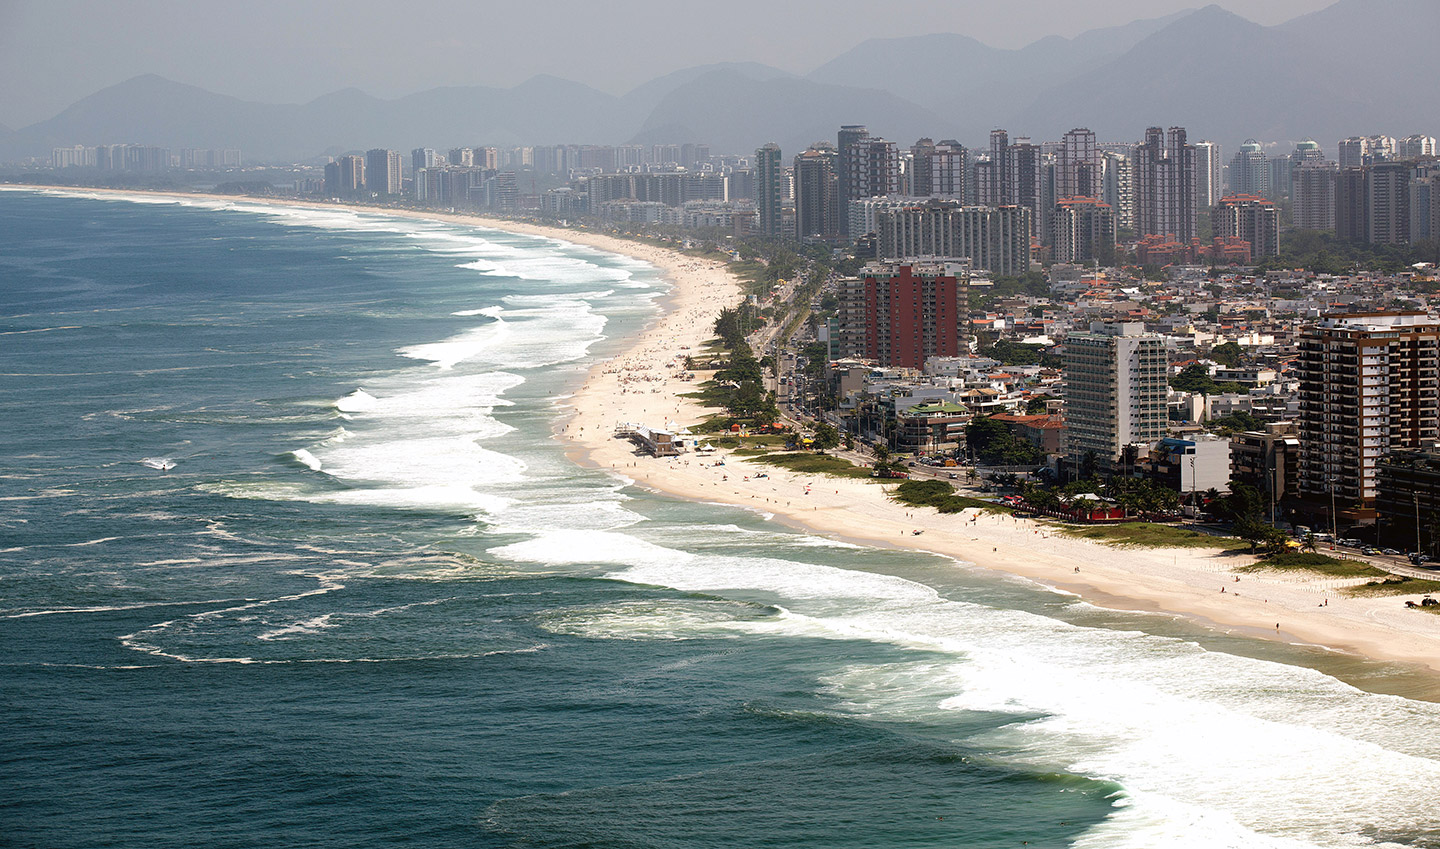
(643, 382)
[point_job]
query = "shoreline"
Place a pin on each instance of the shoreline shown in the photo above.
(636, 384)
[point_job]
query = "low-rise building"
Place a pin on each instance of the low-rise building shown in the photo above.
(1268, 460)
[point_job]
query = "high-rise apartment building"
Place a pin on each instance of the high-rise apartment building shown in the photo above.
(424, 157)
(1425, 205)
(1078, 170)
(922, 168)
(847, 145)
(1119, 189)
(996, 239)
(1026, 162)
(351, 175)
(382, 171)
(769, 189)
(1164, 176)
(817, 193)
(1115, 389)
(1312, 195)
(875, 169)
(1368, 386)
(1209, 175)
(1351, 218)
(1387, 203)
(462, 157)
(949, 170)
(1252, 218)
(1415, 147)
(1250, 171)
(1001, 182)
(912, 311)
(1358, 151)
(1083, 231)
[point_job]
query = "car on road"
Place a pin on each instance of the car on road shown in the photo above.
(1389, 552)
(1369, 549)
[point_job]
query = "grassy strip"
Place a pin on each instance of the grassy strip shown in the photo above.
(1145, 535)
(1396, 585)
(814, 464)
(1320, 564)
(940, 495)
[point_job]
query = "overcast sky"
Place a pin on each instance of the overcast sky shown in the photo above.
(53, 52)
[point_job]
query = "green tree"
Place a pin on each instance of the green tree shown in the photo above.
(826, 437)
(1228, 354)
(992, 441)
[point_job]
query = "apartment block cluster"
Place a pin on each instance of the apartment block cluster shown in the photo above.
(1068, 201)
(143, 158)
(1014, 202)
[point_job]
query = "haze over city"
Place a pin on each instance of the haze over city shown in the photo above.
(53, 53)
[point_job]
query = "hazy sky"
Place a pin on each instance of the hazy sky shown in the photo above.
(53, 52)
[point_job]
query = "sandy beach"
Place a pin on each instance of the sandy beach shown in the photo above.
(643, 383)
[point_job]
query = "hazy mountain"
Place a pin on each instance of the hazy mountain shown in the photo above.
(1226, 78)
(734, 112)
(976, 85)
(645, 97)
(154, 110)
(1358, 66)
(1379, 52)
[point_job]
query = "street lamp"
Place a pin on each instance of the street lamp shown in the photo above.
(1334, 533)
(1416, 496)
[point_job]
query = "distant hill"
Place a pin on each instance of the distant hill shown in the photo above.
(1327, 75)
(1357, 66)
(978, 87)
(732, 111)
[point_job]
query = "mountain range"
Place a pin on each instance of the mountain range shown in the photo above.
(1355, 67)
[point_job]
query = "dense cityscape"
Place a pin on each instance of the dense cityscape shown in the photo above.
(1143, 309)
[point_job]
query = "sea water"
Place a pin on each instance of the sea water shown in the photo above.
(289, 556)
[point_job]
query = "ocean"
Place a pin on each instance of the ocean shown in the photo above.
(290, 557)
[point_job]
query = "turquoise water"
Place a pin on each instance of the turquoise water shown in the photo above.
(288, 557)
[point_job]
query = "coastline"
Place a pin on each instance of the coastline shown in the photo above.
(635, 385)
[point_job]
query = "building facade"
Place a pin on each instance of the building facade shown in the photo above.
(817, 194)
(1209, 175)
(1368, 386)
(1082, 231)
(1115, 390)
(769, 189)
(1253, 219)
(1312, 196)
(1250, 171)
(1164, 180)
(996, 239)
(912, 311)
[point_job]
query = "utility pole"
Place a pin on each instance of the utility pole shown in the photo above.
(1334, 532)
(1416, 496)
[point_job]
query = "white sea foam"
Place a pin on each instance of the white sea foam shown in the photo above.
(163, 464)
(358, 401)
(551, 331)
(306, 459)
(1212, 749)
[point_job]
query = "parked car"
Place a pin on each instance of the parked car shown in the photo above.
(1369, 549)
(1389, 552)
